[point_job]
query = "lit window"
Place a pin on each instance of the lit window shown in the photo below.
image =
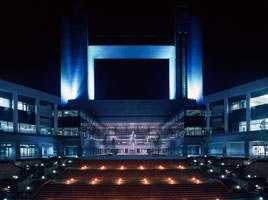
(4, 102)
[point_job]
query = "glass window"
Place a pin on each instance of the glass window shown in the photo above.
(260, 124)
(260, 100)
(27, 150)
(74, 131)
(4, 102)
(193, 113)
(242, 126)
(70, 113)
(45, 130)
(6, 150)
(236, 105)
(26, 128)
(25, 106)
(6, 126)
(60, 113)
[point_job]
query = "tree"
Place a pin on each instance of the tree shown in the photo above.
(205, 143)
(157, 143)
(113, 146)
(105, 144)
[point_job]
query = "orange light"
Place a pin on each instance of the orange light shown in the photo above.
(72, 179)
(103, 167)
(141, 167)
(197, 181)
(169, 179)
(119, 181)
(68, 182)
(161, 167)
(122, 167)
(145, 181)
(193, 178)
(95, 179)
(93, 182)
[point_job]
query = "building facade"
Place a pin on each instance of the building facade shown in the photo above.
(28, 121)
(237, 120)
(78, 55)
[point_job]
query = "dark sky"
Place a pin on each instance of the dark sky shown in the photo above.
(234, 37)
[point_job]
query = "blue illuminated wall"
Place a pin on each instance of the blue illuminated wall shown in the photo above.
(195, 72)
(131, 52)
(74, 45)
(185, 58)
(188, 47)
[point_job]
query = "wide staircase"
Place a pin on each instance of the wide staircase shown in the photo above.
(133, 179)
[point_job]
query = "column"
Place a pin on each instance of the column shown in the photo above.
(15, 112)
(39, 151)
(208, 117)
(224, 149)
(17, 150)
(37, 115)
(226, 115)
(246, 149)
(55, 119)
(184, 150)
(248, 111)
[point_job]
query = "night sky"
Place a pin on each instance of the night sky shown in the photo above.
(235, 38)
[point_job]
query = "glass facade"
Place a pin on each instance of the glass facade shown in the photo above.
(259, 110)
(6, 150)
(27, 150)
(237, 114)
(4, 102)
(6, 126)
(26, 128)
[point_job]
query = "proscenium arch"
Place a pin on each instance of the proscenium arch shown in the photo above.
(132, 52)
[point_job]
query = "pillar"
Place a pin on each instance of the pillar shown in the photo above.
(224, 149)
(246, 149)
(208, 117)
(226, 115)
(55, 119)
(248, 111)
(15, 112)
(17, 150)
(37, 115)
(39, 151)
(184, 150)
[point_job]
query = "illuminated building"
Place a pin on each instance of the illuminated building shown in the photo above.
(238, 120)
(28, 121)
(128, 127)
(78, 55)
